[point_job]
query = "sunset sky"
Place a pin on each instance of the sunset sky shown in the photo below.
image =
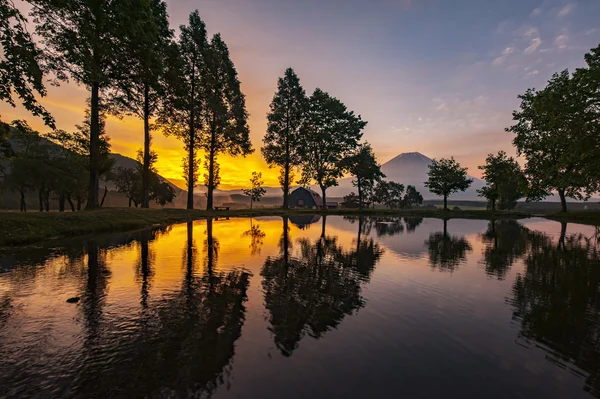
(436, 76)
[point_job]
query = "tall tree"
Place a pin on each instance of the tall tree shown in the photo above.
(446, 177)
(589, 82)
(551, 131)
(505, 181)
(331, 134)
(363, 165)
(20, 72)
(256, 191)
(81, 38)
(182, 115)
(145, 50)
(224, 114)
(284, 129)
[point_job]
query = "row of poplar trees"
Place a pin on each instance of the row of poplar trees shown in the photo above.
(125, 53)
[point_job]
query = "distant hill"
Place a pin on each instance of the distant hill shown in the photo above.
(409, 168)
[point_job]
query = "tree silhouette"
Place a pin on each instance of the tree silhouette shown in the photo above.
(313, 290)
(552, 135)
(256, 191)
(505, 242)
(331, 133)
(145, 49)
(185, 340)
(412, 223)
(284, 129)
(447, 252)
(388, 226)
(256, 238)
(81, 39)
(446, 177)
(225, 116)
(505, 181)
(181, 115)
(363, 165)
(20, 71)
(556, 302)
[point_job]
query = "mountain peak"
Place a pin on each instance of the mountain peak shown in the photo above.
(412, 157)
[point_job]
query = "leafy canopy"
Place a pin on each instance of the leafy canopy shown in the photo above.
(446, 177)
(20, 72)
(331, 134)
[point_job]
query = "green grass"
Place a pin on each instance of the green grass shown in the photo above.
(18, 228)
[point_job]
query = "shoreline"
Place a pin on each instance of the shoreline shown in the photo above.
(20, 229)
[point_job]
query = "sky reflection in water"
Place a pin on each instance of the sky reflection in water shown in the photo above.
(307, 307)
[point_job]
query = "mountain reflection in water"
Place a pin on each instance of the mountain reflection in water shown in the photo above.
(306, 306)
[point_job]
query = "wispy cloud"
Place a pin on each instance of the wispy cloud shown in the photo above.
(561, 41)
(535, 12)
(566, 10)
(535, 43)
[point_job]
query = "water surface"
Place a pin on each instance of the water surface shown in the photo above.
(307, 307)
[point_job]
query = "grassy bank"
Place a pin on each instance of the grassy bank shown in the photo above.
(589, 217)
(26, 228)
(18, 228)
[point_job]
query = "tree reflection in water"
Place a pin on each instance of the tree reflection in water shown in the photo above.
(313, 290)
(256, 238)
(557, 302)
(184, 342)
(412, 223)
(447, 252)
(505, 241)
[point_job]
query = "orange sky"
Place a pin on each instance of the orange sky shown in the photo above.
(422, 73)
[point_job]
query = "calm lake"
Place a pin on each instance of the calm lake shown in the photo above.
(307, 307)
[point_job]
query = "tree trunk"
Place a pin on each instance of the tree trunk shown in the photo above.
(146, 166)
(70, 202)
(104, 196)
(286, 181)
(360, 194)
(323, 188)
(563, 200)
(285, 241)
(23, 203)
(445, 202)
(190, 253)
(41, 199)
(61, 202)
(79, 203)
(563, 233)
(94, 189)
(130, 202)
(210, 245)
(211, 172)
(47, 199)
(145, 268)
(192, 144)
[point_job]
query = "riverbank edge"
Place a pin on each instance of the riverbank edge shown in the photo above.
(17, 229)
